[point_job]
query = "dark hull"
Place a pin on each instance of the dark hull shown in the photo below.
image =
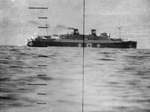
(126, 44)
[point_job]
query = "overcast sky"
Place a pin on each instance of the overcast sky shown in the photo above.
(18, 22)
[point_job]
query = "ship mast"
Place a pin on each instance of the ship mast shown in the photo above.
(44, 18)
(119, 27)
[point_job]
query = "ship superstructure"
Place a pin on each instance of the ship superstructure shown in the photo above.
(75, 39)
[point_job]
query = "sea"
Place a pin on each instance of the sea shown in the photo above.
(65, 79)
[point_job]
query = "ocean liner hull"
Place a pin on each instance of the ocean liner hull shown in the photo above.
(77, 43)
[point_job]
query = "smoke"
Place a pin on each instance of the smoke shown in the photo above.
(62, 29)
(71, 28)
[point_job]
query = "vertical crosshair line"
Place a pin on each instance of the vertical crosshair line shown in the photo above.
(83, 55)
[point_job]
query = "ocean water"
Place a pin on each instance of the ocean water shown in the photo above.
(50, 79)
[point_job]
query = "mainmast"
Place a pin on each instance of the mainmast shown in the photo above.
(43, 18)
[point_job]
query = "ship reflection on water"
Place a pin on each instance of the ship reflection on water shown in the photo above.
(116, 80)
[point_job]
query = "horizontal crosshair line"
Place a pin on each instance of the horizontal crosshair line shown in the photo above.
(42, 17)
(42, 75)
(41, 93)
(41, 103)
(38, 7)
(43, 27)
(42, 65)
(38, 84)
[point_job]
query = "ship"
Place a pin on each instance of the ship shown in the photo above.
(75, 39)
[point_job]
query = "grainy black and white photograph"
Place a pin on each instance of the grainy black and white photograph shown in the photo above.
(74, 55)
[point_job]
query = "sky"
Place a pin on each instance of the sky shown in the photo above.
(18, 22)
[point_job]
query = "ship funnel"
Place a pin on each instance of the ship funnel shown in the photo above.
(76, 32)
(93, 32)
